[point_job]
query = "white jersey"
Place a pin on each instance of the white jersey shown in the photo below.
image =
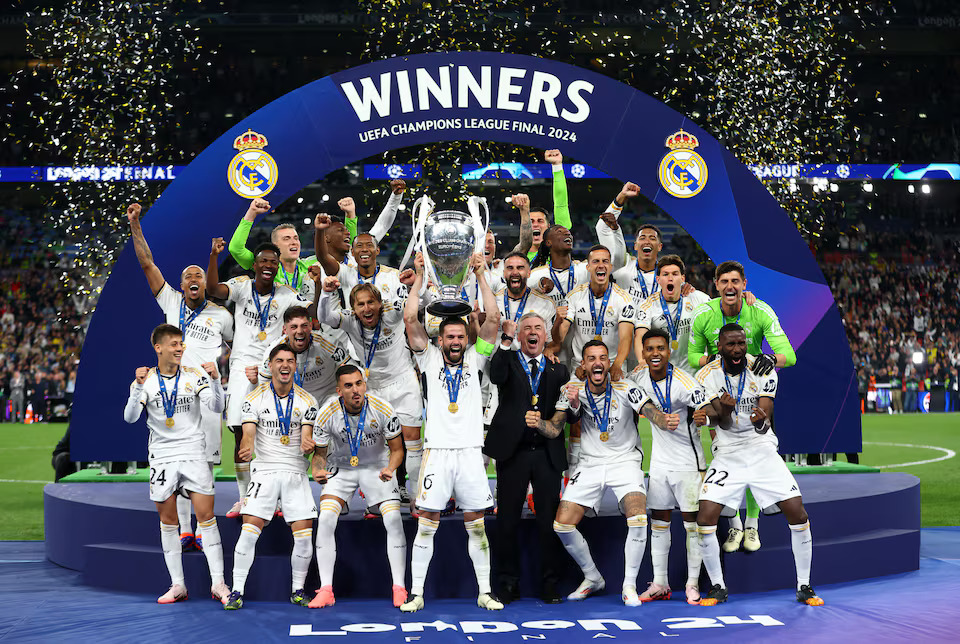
(536, 302)
(391, 355)
(742, 433)
(445, 429)
(651, 315)
(205, 334)
(495, 274)
(576, 274)
(380, 425)
(316, 366)
(631, 279)
(679, 450)
(185, 440)
(270, 453)
(619, 309)
(386, 279)
(247, 346)
(622, 440)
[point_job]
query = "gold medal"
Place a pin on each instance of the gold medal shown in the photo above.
(285, 440)
(452, 408)
(675, 345)
(354, 461)
(169, 422)
(604, 436)
(262, 336)
(598, 337)
(535, 399)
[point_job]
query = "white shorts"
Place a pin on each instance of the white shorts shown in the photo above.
(345, 481)
(404, 396)
(180, 477)
(670, 490)
(593, 476)
(453, 473)
(211, 424)
(237, 390)
(292, 489)
(761, 469)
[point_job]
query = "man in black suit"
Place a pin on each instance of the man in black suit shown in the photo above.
(527, 382)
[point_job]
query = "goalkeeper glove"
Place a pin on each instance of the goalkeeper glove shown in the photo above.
(764, 364)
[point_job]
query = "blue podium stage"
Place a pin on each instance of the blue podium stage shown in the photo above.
(864, 525)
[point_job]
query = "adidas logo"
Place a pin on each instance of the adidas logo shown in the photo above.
(794, 489)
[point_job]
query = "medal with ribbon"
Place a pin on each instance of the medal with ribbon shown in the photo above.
(556, 280)
(453, 386)
(673, 326)
(353, 441)
(520, 307)
(601, 421)
(263, 314)
(373, 280)
(534, 382)
(292, 283)
(643, 283)
(372, 348)
(187, 321)
(169, 404)
(664, 398)
(743, 381)
(598, 321)
(283, 416)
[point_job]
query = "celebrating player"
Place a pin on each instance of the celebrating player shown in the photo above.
(746, 454)
(260, 305)
(274, 416)
(677, 462)
(452, 459)
(539, 217)
(611, 457)
(760, 322)
(670, 310)
(171, 395)
(205, 326)
(357, 444)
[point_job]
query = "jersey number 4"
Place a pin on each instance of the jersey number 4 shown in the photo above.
(712, 472)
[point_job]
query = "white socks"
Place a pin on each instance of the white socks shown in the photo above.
(659, 550)
(212, 549)
(802, 543)
(243, 555)
(326, 542)
(412, 462)
(479, 550)
(183, 515)
(576, 545)
(170, 541)
(422, 554)
(634, 547)
(735, 521)
(694, 556)
(396, 541)
(751, 522)
(710, 551)
(243, 479)
(301, 557)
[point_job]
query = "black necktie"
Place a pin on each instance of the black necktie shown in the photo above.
(534, 368)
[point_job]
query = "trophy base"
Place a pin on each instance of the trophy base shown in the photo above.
(449, 308)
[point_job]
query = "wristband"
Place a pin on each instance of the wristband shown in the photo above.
(506, 338)
(709, 422)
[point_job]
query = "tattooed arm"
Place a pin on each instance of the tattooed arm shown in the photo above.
(668, 422)
(548, 428)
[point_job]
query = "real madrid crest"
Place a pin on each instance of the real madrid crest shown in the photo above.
(683, 172)
(252, 172)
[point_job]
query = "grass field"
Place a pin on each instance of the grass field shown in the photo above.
(25, 466)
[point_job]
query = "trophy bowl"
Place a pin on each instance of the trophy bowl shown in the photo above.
(449, 240)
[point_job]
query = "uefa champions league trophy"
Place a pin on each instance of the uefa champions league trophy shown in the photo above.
(448, 239)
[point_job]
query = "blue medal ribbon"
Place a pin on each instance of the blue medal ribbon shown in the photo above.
(534, 382)
(743, 380)
(372, 349)
(187, 321)
(601, 421)
(664, 398)
(520, 308)
(453, 382)
(556, 280)
(353, 441)
(169, 404)
(643, 283)
(263, 313)
(598, 323)
(283, 416)
(673, 326)
(373, 280)
(296, 274)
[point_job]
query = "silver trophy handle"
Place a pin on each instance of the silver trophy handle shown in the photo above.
(473, 206)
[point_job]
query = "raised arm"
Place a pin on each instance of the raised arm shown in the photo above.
(389, 213)
(500, 361)
(134, 406)
(522, 202)
(212, 396)
(417, 337)
(561, 208)
(238, 243)
(328, 306)
(491, 322)
(215, 288)
(144, 256)
(320, 225)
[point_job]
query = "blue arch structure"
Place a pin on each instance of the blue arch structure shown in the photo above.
(529, 101)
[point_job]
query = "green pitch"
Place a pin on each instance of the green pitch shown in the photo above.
(25, 452)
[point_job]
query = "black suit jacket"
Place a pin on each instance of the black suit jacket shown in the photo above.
(507, 428)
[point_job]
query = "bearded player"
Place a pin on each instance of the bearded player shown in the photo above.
(172, 396)
(746, 455)
(452, 459)
(205, 327)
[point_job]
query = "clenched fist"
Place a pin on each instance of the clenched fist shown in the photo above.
(133, 212)
(141, 374)
(348, 206)
(533, 419)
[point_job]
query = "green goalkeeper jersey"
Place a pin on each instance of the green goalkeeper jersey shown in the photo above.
(561, 207)
(758, 321)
